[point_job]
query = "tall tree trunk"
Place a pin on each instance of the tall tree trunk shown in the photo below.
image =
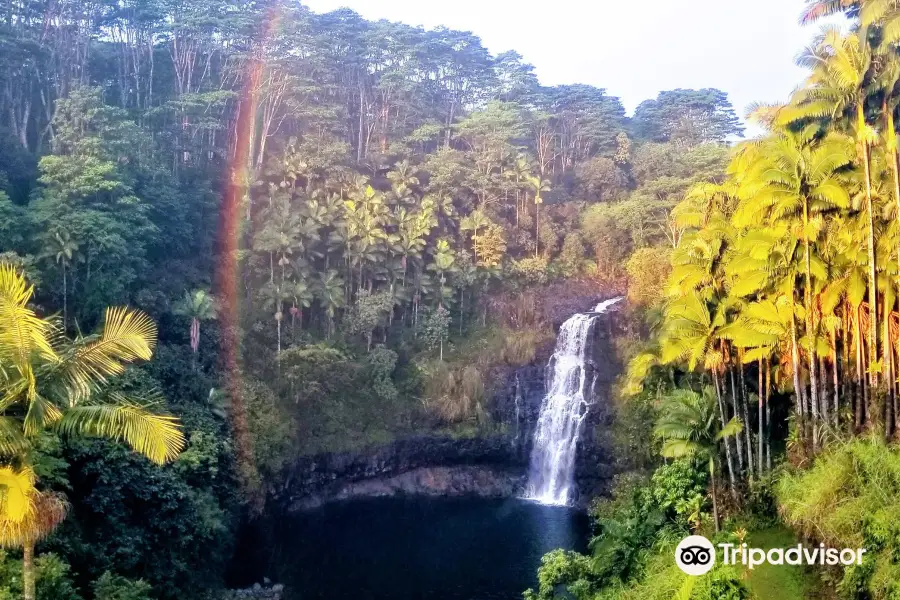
(768, 418)
(712, 482)
(873, 290)
(891, 136)
(462, 308)
(795, 364)
(360, 126)
(810, 331)
(759, 428)
(835, 417)
(863, 398)
(723, 420)
(890, 400)
(848, 382)
(28, 570)
(65, 297)
(735, 404)
(823, 392)
(745, 408)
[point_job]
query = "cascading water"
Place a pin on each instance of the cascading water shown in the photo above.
(551, 474)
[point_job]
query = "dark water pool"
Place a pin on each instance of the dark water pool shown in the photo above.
(412, 548)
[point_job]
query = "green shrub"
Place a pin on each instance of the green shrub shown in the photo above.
(564, 569)
(678, 489)
(53, 580)
(661, 579)
(116, 587)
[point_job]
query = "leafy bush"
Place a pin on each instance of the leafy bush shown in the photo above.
(454, 394)
(116, 587)
(531, 270)
(327, 399)
(678, 489)
(520, 346)
(571, 257)
(661, 579)
(140, 521)
(381, 363)
(53, 580)
(564, 568)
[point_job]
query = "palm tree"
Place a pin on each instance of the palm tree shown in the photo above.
(762, 329)
(63, 249)
(887, 82)
(197, 306)
(444, 263)
(49, 382)
(538, 185)
(331, 293)
(688, 427)
(473, 222)
(837, 91)
(793, 181)
(274, 295)
(693, 334)
(818, 9)
(302, 296)
(885, 15)
(520, 171)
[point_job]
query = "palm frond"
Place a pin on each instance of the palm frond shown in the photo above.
(12, 440)
(732, 428)
(156, 436)
(16, 493)
(676, 448)
(128, 335)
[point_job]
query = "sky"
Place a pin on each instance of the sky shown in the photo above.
(632, 48)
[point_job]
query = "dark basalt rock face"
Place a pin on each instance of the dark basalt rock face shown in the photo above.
(378, 471)
(491, 465)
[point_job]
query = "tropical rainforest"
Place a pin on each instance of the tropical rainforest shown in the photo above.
(236, 233)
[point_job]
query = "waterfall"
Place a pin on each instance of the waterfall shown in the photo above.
(551, 473)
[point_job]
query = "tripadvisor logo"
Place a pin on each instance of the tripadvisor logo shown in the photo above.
(695, 555)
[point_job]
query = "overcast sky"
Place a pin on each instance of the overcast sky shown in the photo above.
(633, 48)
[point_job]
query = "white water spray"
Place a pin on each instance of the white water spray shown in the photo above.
(551, 474)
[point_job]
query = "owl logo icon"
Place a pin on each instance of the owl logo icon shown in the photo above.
(695, 555)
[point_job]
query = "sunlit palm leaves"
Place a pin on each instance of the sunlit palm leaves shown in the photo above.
(158, 437)
(87, 363)
(22, 336)
(49, 381)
